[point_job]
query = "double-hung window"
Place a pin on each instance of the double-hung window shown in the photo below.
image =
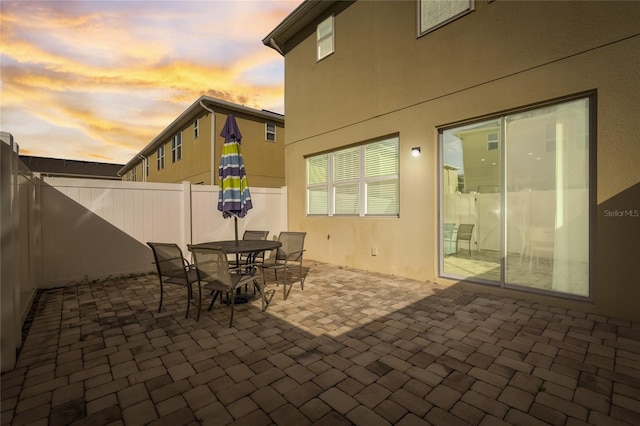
(161, 157)
(325, 38)
(196, 128)
(270, 132)
(434, 14)
(176, 147)
(356, 181)
(134, 173)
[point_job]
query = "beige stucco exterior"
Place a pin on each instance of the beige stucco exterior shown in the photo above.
(264, 159)
(504, 55)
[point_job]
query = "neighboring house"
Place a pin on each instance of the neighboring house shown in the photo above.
(533, 104)
(190, 147)
(57, 167)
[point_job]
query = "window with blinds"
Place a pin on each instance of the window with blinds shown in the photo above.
(357, 181)
(434, 14)
(325, 38)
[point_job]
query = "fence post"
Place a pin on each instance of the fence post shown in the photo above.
(187, 219)
(9, 277)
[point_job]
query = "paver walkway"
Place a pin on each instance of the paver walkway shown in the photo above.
(352, 348)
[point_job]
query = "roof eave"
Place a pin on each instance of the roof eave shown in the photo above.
(188, 115)
(303, 15)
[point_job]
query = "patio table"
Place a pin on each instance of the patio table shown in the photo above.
(249, 247)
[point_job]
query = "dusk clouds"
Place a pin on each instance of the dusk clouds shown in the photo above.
(97, 80)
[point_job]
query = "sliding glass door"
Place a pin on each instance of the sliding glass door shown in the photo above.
(515, 199)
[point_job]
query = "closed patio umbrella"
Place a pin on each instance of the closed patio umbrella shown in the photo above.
(234, 198)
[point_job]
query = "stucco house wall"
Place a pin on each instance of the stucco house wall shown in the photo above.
(384, 79)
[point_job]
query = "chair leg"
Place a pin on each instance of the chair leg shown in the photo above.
(189, 295)
(199, 301)
(231, 296)
(266, 299)
(215, 296)
(284, 287)
(161, 292)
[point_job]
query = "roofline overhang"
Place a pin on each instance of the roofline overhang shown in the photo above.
(189, 114)
(303, 15)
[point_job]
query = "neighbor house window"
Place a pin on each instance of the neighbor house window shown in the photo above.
(196, 128)
(492, 142)
(161, 157)
(434, 14)
(270, 132)
(325, 38)
(134, 174)
(357, 181)
(146, 166)
(176, 147)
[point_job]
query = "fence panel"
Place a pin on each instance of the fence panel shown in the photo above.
(92, 229)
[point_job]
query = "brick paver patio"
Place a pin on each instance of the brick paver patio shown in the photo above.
(352, 348)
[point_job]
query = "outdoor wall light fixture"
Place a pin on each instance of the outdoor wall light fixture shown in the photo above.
(415, 151)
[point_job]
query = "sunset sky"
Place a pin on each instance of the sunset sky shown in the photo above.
(98, 80)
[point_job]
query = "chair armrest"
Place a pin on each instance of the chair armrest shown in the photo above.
(294, 255)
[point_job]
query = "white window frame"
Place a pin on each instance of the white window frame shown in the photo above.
(435, 14)
(270, 135)
(134, 173)
(493, 143)
(361, 180)
(196, 128)
(322, 39)
(161, 157)
(176, 147)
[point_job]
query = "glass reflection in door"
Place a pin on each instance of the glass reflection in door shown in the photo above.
(521, 183)
(471, 176)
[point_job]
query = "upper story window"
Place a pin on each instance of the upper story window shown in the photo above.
(146, 167)
(270, 132)
(358, 181)
(325, 38)
(161, 157)
(176, 147)
(492, 141)
(134, 173)
(196, 128)
(433, 14)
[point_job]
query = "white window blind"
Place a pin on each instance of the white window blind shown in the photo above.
(318, 185)
(357, 181)
(436, 13)
(325, 38)
(381, 177)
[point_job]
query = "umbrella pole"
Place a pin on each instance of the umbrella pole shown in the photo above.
(235, 223)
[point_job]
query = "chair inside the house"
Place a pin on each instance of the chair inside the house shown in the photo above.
(173, 268)
(287, 260)
(448, 236)
(541, 244)
(214, 274)
(464, 235)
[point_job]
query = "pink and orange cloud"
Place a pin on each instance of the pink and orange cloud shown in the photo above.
(97, 80)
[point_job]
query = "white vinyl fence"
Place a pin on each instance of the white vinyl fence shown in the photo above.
(92, 229)
(63, 231)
